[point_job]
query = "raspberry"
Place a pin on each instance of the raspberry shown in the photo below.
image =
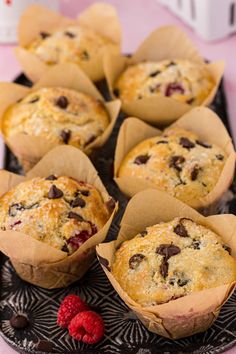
(70, 307)
(87, 326)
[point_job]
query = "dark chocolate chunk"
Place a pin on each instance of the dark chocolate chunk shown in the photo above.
(173, 88)
(75, 216)
(62, 102)
(51, 178)
(190, 101)
(172, 281)
(164, 268)
(140, 97)
(182, 282)
(65, 135)
(14, 208)
(65, 248)
(162, 142)
(85, 193)
(54, 192)
(204, 184)
(69, 34)
(143, 233)
(186, 143)
(194, 173)
(110, 204)
(196, 244)
(155, 73)
(180, 230)
(203, 144)
(104, 262)
(141, 159)
(168, 250)
(172, 63)
(176, 162)
(220, 157)
(19, 321)
(85, 55)
(135, 260)
(227, 248)
(90, 140)
(44, 34)
(45, 346)
(78, 202)
(35, 99)
(116, 92)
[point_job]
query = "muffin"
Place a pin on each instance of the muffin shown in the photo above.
(177, 162)
(59, 211)
(59, 115)
(170, 260)
(182, 80)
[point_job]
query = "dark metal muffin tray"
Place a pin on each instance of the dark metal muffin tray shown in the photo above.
(124, 332)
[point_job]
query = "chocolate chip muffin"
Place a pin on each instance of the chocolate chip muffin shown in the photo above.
(170, 260)
(177, 162)
(60, 211)
(74, 44)
(60, 115)
(185, 81)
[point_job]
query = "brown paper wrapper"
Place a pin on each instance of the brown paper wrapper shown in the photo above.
(30, 149)
(200, 120)
(186, 315)
(101, 18)
(164, 43)
(35, 261)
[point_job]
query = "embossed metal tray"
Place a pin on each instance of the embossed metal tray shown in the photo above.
(124, 332)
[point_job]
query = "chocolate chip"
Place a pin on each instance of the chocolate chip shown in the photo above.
(116, 92)
(164, 268)
(176, 162)
(141, 159)
(196, 244)
(69, 34)
(78, 202)
(35, 99)
(203, 144)
(135, 260)
(194, 173)
(51, 178)
(45, 346)
(172, 63)
(85, 55)
(62, 102)
(155, 73)
(168, 250)
(19, 321)
(75, 216)
(65, 135)
(140, 97)
(110, 204)
(44, 34)
(162, 142)
(190, 101)
(220, 157)
(143, 233)
(54, 192)
(172, 281)
(104, 262)
(85, 193)
(227, 248)
(14, 208)
(90, 140)
(180, 230)
(65, 248)
(186, 143)
(204, 184)
(182, 282)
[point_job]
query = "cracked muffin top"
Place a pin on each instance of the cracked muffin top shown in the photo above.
(60, 211)
(177, 162)
(185, 81)
(59, 115)
(74, 44)
(170, 260)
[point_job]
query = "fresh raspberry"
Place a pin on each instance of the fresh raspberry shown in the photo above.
(70, 307)
(87, 326)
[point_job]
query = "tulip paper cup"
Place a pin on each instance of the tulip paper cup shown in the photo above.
(189, 314)
(35, 261)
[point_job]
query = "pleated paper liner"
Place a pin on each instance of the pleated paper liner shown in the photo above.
(164, 43)
(202, 121)
(30, 149)
(101, 18)
(189, 314)
(35, 261)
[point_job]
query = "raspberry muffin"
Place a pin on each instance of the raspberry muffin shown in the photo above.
(183, 80)
(170, 260)
(74, 44)
(60, 211)
(57, 114)
(177, 162)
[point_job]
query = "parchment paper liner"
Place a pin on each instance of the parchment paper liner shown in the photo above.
(200, 120)
(100, 17)
(30, 149)
(35, 261)
(189, 314)
(167, 42)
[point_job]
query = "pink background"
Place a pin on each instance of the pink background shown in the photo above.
(139, 18)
